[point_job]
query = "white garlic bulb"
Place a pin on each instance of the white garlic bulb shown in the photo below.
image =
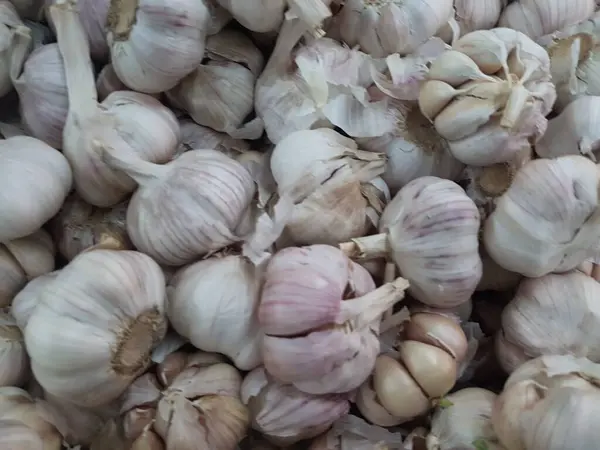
(474, 15)
(24, 259)
(10, 27)
(14, 362)
(128, 120)
(390, 26)
(256, 15)
(101, 317)
(547, 220)
(35, 180)
(42, 89)
(197, 137)
(152, 52)
(538, 321)
(226, 322)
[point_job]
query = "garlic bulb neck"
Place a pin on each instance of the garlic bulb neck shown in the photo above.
(121, 17)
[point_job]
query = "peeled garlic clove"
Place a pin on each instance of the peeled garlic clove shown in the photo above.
(14, 362)
(434, 96)
(439, 331)
(285, 415)
(455, 68)
(126, 317)
(463, 117)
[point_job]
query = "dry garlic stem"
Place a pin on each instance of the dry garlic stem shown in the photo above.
(22, 260)
(423, 365)
(464, 420)
(342, 198)
(573, 132)
(226, 321)
(79, 226)
(285, 415)
(35, 180)
(547, 220)
(14, 362)
(430, 230)
(101, 317)
(537, 18)
(126, 120)
(539, 320)
(550, 403)
(197, 137)
(474, 15)
(189, 402)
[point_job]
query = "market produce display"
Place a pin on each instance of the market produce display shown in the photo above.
(299, 224)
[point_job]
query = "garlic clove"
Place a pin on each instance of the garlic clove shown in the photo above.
(455, 68)
(434, 96)
(437, 330)
(463, 117)
(485, 49)
(149, 440)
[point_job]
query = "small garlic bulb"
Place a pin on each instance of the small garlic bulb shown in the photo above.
(430, 230)
(256, 15)
(285, 415)
(538, 321)
(142, 57)
(474, 15)
(537, 18)
(79, 226)
(344, 197)
(574, 131)
(10, 27)
(101, 316)
(14, 362)
(197, 137)
(28, 298)
(392, 26)
(42, 89)
(34, 180)
(547, 220)
(188, 402)
(422, 366)
(219, 93)
(226, 322)
(549, 403)
(466, 421)
(22, 260)
(320, 313)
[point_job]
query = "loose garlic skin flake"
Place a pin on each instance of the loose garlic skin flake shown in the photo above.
(95, 325)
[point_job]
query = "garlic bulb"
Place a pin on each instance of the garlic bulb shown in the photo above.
(14, 362)
(197, 137)
(430, 230)
(423, 365)
(11, 27)
(79, 226)
(344, 198)
(219, 93)
(285, 415)
(538, 321)
(101, 316)
(35, 180)
(256, 15)
(501, 79)
(128, 120)
(22, 260)
(547, 220)
(574, 131)
(321, 329)
(226, 322)
(474, 15)
(549, 403)
(194, 205)
(466, 421)
(390, 26)
(142, 58)
(537, 18)
(108, 82)
(413, 150)
(28, 420)
(190, 405)
(28, 298)
(44, 100)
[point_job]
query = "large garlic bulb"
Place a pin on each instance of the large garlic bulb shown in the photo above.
(101, 317)
(343, 197)
(14, 362)
(539, 321)
(489, 95)
(225, 322)
(150, 51)
(550, 403)
(547, 220)
(22, 260)
(34, 182)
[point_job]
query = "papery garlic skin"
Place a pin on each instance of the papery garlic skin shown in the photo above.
(391, 26)
(35, 181)
(539, 322)
(22, 260)
(198, 137)
(126, 316)
(142, 60)
(14, 361)
(285, 415)
(226, 322)
(547, 219)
